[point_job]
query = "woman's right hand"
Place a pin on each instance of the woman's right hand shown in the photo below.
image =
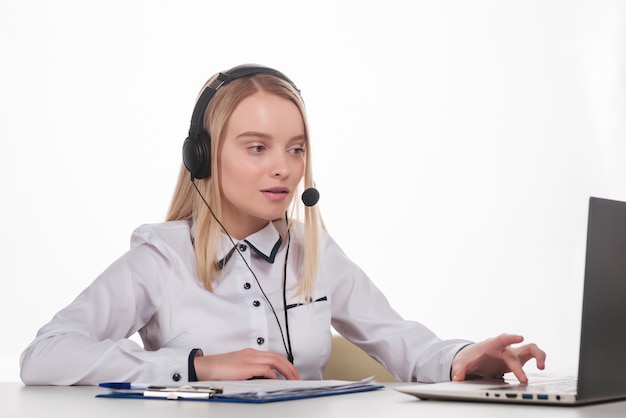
(243, 365)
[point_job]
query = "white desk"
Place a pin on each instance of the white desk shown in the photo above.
(17, 401)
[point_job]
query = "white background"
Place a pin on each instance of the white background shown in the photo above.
(455, 144)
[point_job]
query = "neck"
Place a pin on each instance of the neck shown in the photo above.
(239, 229)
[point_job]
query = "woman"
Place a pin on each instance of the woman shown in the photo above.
(233, 286)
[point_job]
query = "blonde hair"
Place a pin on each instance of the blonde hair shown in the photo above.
(187, 204)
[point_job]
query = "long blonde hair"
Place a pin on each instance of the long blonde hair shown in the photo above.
(187, 204)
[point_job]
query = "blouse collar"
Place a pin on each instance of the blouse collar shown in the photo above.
(265, 243)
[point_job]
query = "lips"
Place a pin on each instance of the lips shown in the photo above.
(276, 193)
(276, 190)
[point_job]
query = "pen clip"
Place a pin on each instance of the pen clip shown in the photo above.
(186, 391)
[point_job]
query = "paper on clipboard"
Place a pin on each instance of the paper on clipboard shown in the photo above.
(257, 391)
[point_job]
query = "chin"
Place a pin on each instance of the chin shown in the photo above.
(279, 216)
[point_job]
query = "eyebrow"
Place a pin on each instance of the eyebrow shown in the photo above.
(253, 133)
(266, 136)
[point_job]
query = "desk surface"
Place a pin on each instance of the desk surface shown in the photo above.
(17, 400)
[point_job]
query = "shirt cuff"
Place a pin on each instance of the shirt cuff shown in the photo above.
(454, 353)
(190, 364)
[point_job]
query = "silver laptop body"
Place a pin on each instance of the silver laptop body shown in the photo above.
(602, 355)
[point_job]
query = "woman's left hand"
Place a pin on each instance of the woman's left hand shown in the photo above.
(496, 356)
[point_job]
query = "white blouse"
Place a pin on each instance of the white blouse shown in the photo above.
(153, 290)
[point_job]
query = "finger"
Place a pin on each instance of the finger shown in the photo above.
(260, 372)
(532, 351)
(514, 365)
(540, 357)
(458, 375)
(288, 370)
(505, 340)
(281, 365)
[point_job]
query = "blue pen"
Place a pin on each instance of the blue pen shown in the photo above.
(122, 386)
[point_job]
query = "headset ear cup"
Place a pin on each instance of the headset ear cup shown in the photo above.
(197, 156)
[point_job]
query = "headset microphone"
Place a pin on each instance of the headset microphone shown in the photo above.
(311, 196)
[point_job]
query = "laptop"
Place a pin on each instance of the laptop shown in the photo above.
(602, 353)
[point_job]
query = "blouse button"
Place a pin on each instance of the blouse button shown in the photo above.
(256, 303)
(176, 377)
(242, 247)
(260, 340)
(247, 286)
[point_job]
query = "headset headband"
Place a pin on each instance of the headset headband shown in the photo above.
(240, 71)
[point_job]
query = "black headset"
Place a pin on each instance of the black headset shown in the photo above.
(197, 146)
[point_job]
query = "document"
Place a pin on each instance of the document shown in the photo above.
(250, 391)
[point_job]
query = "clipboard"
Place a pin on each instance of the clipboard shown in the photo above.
(252, 391)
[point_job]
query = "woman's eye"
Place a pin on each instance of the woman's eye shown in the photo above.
(297, 150)
(256, 148)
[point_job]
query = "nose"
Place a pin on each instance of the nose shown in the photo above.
(280, 166)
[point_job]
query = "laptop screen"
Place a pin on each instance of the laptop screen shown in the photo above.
(602, 360)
